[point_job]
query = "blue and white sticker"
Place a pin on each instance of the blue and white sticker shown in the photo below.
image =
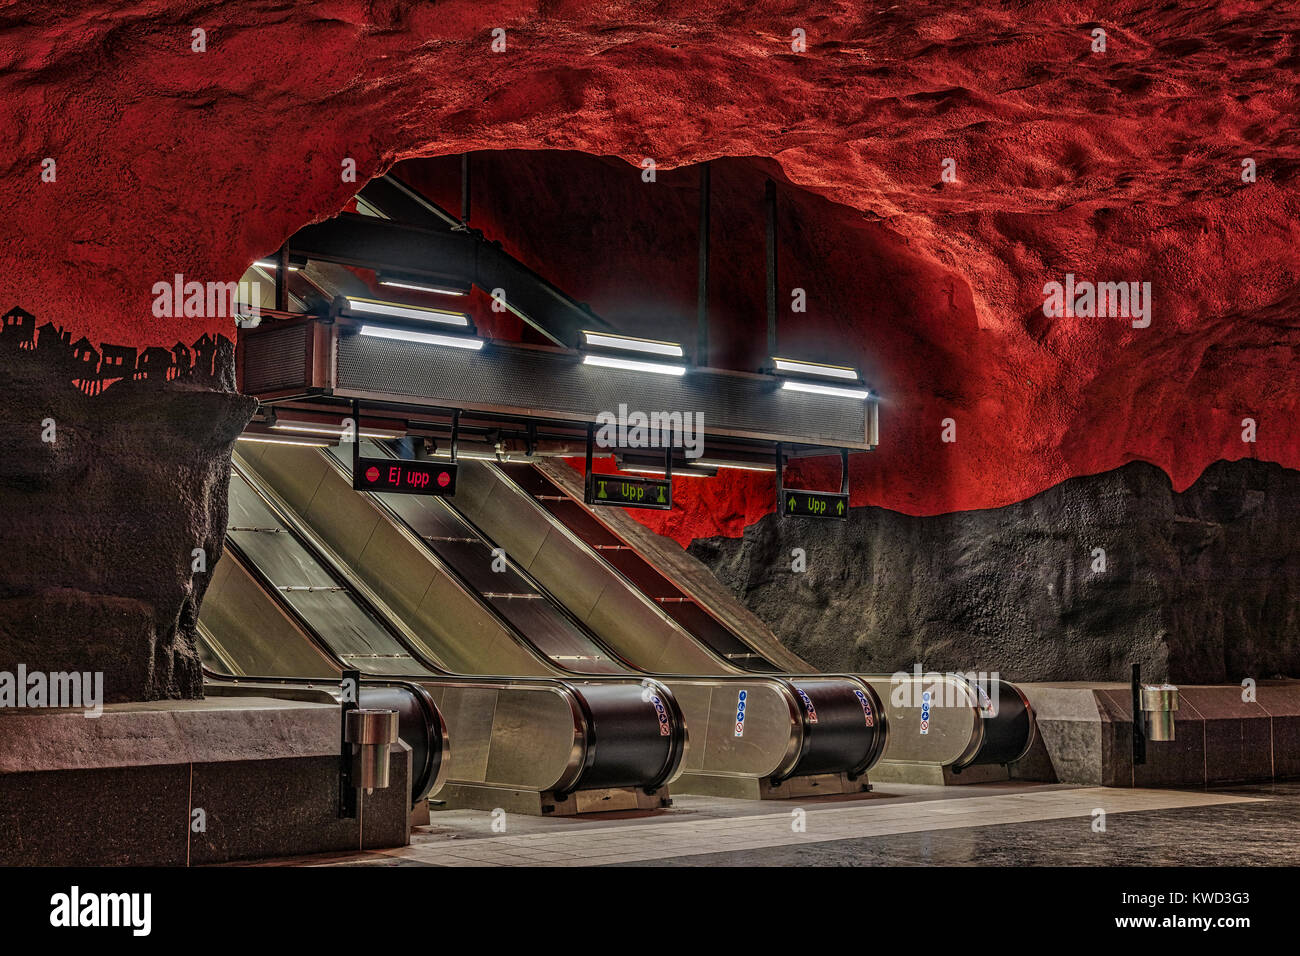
(740, 713)
(664, 728)
(925, 712)
(808, 706)
(866, 708)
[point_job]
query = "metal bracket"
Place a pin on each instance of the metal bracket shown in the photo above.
(780, 476)
(1139, 730)
(351, 686)
(356, 436)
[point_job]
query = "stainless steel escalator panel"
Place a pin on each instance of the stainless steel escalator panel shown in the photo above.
(348, 628)
(458, 545)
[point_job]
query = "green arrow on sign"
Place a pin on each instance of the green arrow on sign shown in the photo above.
(792, 503)
(839, 508)
(661, 495)
(602, 489)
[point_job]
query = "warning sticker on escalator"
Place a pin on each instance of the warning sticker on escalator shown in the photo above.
(808, 706)
(925, 712)
(664, 728)
(866, 708)
(740, 713)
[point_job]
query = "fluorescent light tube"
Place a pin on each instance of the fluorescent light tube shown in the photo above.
(739, 466)
(427, 338)
(817, 389)
(632, 365)
(627, 342)
(262, 440)
(685, 471)
(815, 368)
(418, 287)
(335, 431)
(393, 310)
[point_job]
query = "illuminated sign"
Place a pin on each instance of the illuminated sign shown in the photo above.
(405, 477)
(629, 492)
(815, 504)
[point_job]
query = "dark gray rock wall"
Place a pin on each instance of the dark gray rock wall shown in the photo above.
(1198, 587)
(99, 526)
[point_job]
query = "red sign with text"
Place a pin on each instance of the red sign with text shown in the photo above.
(405, 477)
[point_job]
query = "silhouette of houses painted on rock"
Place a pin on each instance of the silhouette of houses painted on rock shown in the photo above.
(86, 376)
(93, 369)
(18, 329)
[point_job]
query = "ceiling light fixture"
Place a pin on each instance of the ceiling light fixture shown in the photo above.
(610, 361)
(818, 389)
(265, 440)
(352, 305)
(628, 343)
(427, 338)
(417, 284)
(815, 368)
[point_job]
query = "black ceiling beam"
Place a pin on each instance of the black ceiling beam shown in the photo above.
(383, 245)
(530, 296)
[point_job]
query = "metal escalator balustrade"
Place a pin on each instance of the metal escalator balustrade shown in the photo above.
(966, 733)
(315, 602)
(519, 602)
(674, 602)
(350, 629)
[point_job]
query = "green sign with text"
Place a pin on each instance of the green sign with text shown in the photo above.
(656, 493)
(815, 504)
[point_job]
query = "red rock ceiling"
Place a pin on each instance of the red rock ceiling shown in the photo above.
(1123, 165)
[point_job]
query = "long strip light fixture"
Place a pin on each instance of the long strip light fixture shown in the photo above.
(273, 265)
(616, 351)
(357, 307)
(269, 440)
(833, 373)
(473, 343)
(336, 431)
(420, 284)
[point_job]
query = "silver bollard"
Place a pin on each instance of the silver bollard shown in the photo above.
(371, 734)
(1159, 702)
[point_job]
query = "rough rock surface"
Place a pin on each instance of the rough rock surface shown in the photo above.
(1115, 165)
(1201, 586)
(100, 525)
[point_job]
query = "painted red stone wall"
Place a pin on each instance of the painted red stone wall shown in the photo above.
(1123, 165)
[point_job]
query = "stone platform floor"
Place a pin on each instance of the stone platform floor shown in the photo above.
(1005, 824)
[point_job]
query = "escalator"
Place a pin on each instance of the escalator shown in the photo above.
(280, 612)
(752, 735)
(536, 513)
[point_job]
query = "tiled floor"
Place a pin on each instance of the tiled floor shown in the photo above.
(1003, 823)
